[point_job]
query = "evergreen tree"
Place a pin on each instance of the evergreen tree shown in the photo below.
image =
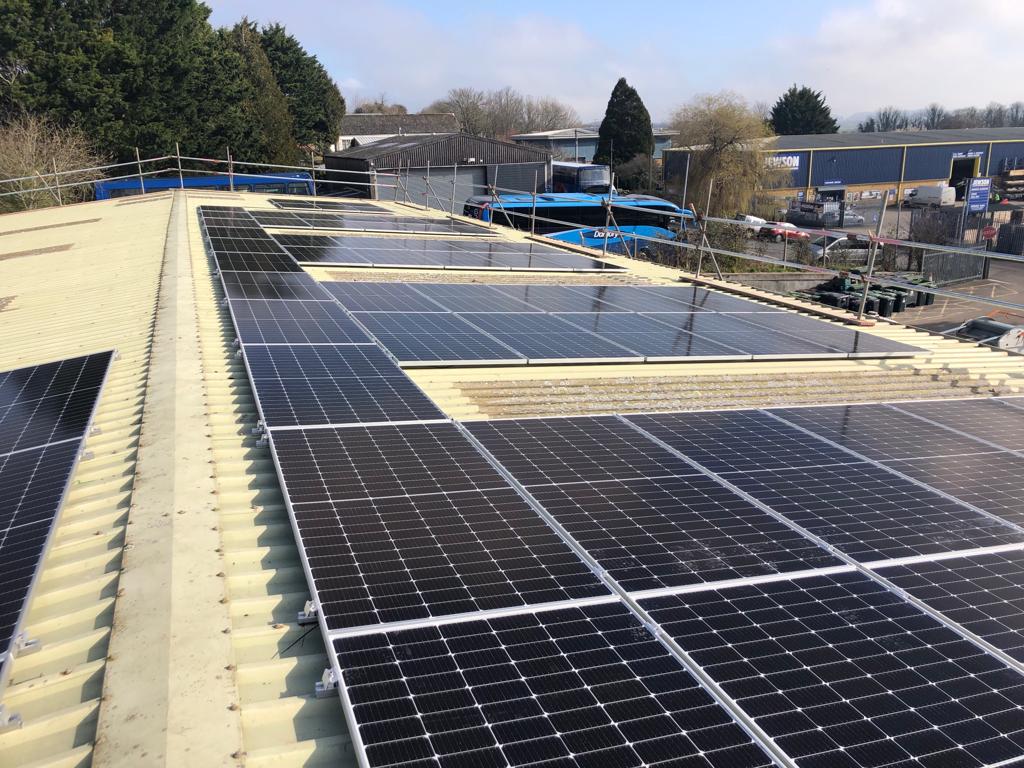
(801, 110)
(626, 129)
(268, 129)
(314, 101)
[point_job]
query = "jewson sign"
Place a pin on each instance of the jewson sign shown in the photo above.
(783, 162)
(978, 191)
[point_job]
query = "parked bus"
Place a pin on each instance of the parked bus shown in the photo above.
(580, 177)
(299, 183)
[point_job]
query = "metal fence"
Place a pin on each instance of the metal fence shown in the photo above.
(453, 192)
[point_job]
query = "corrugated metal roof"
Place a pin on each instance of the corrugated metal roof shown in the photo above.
(113, 288)
(897, 138)
(375, 123)
(437, 150)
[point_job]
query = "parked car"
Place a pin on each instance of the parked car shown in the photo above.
(850, 219)
(931, 197)
(781, 230)
(828, 248)
(753, 223)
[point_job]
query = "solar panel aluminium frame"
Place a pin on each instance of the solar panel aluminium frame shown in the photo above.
(7, 655)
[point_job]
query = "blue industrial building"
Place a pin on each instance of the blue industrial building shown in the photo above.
(580, 144)
(846, 166)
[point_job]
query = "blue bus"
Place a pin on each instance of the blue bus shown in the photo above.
(299, 183)
(580, 177)
(581, 219)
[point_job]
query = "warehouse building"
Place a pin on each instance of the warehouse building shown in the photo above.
(580, 144)
(848, 166)
(476, 162)
(367, 127)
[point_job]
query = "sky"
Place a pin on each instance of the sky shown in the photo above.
(862, 54)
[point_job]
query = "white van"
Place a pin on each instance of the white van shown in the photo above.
(931, 197)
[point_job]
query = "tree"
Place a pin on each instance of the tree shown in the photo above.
(265, 107)
(380, 107)
(314, 101)
(723, 134)
(625, 131)
(469, 107)
(32, 146)
(932, 117)
(547, 114)
(886, 119)
(800, 111)
(506, 112)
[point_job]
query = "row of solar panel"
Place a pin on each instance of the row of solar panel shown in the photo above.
(368, 222)
(45, 411)
(299, 204)
(834, 667)
(435, 253)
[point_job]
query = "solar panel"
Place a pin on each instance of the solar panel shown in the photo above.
(984, 594)
(854, 342)
(381, 297)
(365, 462)
(380, 560)
(271, 321)
(654, 339)
(881, 433)
(319, 249)
(271, 285)
(578, 687)
(256, 262)
(542, 337)
(326, 205)
(49, 403)
(434, 337)
(713, 301)
(366, 400)
(457, 297)
(324, 361)
(871, 514)
(986, 419)
(242, 241)
(677, 531)
(32, 484)
(842, 673)
(362, 222)
(587, 449)
(739, 441)
(557, 298)
(993, 482)
(412, 244)
(639, 299)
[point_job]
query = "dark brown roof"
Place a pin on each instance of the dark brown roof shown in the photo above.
(376, 124)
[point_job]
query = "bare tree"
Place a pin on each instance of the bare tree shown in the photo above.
(931, 117)
(32, 146)
(380, 107)
(1015, 114)
(967, 117)
(995, 116)
(886, 119)
(469, 107)
(721, 130)
(506, 110)
(547, 114)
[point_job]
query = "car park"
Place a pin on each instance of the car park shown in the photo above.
(842, 248)
(781, 230)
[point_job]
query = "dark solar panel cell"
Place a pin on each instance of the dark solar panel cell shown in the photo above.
(431, 245)
(381, 297)
(402, 558)
(739, 441)
(32, 484)
(712, 301)
(986, 419)
(356, 462)
(984, 594)
(676, 531)
(545, 451)
(581, 688)
(871, 514)
(472, 298)
(354, 400)
(993, 482)
(294, 322)
(271, 285)
(881, 433)
(841, 672)
(320, 361)
(49, 402)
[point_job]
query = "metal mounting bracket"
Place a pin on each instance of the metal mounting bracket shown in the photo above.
(307, 615)
(327, 685)
(9, 721)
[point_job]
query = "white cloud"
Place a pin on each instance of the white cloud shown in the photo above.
(907, 53)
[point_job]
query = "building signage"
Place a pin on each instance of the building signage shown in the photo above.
(783, 162)
(978, 191)
(971, 153)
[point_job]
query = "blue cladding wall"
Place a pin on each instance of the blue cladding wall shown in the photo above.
(1008, 151)
(934, 162)
(792, 167)
(856, 166)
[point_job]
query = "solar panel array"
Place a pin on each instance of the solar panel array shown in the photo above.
(521, 324)
(435, 253)
(363, 221)
(745, 588)
(45, 413)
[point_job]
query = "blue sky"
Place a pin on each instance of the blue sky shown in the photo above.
(862, 53)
